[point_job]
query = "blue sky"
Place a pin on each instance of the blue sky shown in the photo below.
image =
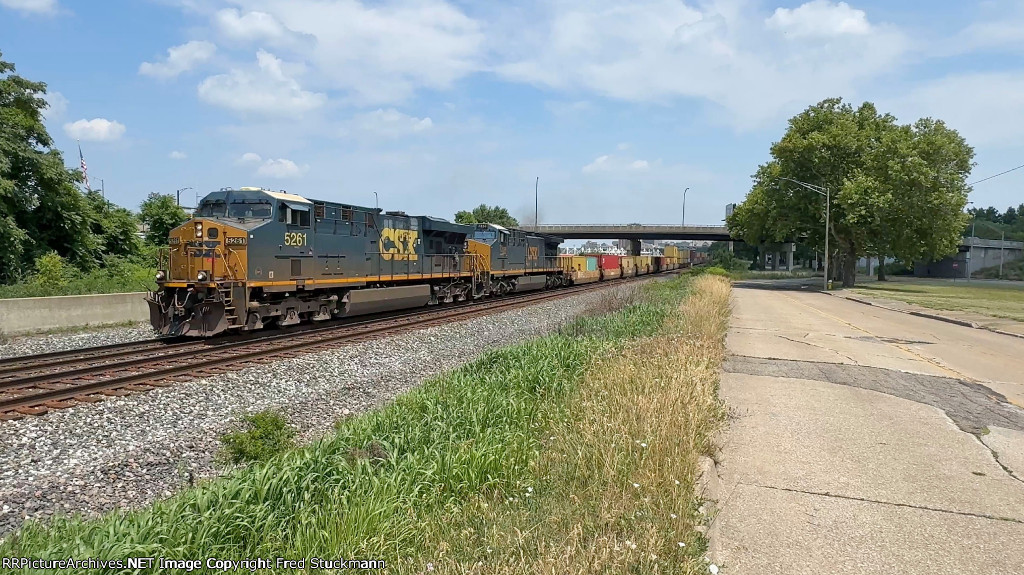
(441, 105)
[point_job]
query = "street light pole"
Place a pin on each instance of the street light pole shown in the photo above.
(536, 204)
(684, 207)
(178, 194)
(822, 191)
(376, 201)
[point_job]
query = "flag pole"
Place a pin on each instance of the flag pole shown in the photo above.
(85, 169)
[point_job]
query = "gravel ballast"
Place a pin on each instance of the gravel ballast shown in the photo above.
(19, 345)
(126, 452)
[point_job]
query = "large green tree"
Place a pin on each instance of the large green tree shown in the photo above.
(114, 228)
(160, 213)
(41, 210)
(484, 214)
(896, 190)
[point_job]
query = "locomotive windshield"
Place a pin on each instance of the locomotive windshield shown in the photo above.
(212, 208)
(259, 209)
(242, 205)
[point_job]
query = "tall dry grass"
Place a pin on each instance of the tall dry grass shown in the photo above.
(615, 489)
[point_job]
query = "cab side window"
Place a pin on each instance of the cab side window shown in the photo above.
(293, 217)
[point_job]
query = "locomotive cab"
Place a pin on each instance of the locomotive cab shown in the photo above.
(204, 268)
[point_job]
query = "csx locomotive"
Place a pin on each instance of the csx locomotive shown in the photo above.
(251, 258)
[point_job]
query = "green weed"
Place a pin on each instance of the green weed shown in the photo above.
(267, 435)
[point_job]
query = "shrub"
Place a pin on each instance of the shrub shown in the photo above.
(52, 273)
(715, 271)
(268, 435)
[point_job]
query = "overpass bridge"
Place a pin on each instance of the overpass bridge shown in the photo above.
(635, 232)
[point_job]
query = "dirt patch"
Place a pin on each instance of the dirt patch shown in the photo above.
(972, 406)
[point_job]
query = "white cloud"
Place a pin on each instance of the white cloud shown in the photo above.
(250, 26)
(377, 53)
(250, 158)
(999, 27)
(993, 117)
(565, 109)
(180, 59)
(388, 123)
(96, 130)
(613, 163)
(269, 88)
(176, 155)
(31, 6)
(721, 51)
(281, 168)
(819, 18)
(56, 106)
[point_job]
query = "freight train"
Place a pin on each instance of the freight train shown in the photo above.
(252, 258)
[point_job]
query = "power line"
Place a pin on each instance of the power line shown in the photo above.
(996, 176)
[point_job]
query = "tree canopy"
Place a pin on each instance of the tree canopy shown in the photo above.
(160, 213)
(41, 210)
(896, 190)
(484, 214)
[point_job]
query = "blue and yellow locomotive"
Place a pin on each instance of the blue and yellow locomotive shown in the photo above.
(251, 258)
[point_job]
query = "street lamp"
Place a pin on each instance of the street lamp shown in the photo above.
(828, 208)
(684, 207)
(178, 194)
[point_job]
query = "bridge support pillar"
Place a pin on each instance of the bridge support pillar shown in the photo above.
(775, 261)
(790, 251)
(634, 247)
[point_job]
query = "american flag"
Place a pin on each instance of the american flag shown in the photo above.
(85, 170)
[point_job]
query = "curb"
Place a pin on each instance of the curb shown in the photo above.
(934, 316)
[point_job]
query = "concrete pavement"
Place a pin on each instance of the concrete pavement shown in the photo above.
(868, 441)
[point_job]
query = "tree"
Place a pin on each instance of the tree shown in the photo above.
(160, 213)
(896, 190)
(1010, 216)
(41, 210)
(114, 227)
(484, 214)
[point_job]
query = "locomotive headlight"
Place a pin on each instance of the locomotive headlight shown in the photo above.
(199, 229)
(202, 276)
(161, 275)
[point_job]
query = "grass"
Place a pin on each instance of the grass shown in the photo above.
(523, 460)
(995, 300)
(266, 435)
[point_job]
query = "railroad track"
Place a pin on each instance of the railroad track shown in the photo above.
(36, 384)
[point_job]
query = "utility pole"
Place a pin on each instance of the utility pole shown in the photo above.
(684, 207)
(1002, 251)
(974, 239)
(536, 204)
(103, 189)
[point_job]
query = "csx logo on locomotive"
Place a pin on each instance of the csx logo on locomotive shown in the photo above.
(399, 245)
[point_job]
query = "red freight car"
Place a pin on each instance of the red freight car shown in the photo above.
(609, 266)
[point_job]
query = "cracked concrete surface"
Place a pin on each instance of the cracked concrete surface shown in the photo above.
(867, 441)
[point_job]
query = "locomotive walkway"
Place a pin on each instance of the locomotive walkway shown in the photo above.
(865, 440)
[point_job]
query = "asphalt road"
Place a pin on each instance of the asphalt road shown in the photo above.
(868, 441)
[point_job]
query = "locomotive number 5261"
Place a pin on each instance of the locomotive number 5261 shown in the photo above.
(294, 239)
